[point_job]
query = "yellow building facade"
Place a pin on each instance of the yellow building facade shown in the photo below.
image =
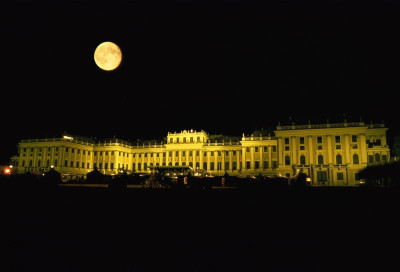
(328, 153)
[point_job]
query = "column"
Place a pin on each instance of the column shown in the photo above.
(329, 137)
(346, 148)
(294, 150)
(270, 157)
(363, 147)
(238, 160)
(201, 158)
(280, 151)
(310, 151)
(243, 158)
(252, 151)
(230, 160)
(208, 161)
(223, 153)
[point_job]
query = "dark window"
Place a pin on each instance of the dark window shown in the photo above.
(287, 160)
(266, 164)
(377, 157)
(355, 159)
(204, 165)
(227, 166)
(370, 158)
(247, 165)
(286, 141)
(321, 176)
(274, 148)
(234, 165)
(354, 138)
(301, 140)
(338, 159)
(339, 176)
(256, 149)
(302, 160)
(319, 140)
(320, 159)
(337, 139)
(256, 164)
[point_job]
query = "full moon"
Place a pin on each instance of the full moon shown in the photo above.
(107, 56)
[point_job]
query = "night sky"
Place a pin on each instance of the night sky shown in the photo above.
(227, 67)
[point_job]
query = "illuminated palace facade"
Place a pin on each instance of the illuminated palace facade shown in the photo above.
(329, 153)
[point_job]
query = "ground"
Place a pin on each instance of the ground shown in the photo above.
(92, 229)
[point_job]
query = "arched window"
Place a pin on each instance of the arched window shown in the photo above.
(320, 159)
(184, 163)
(302, 159)
(338, 159)
(377, 157)
(176, 163)
(191, 164)
(197, 165)
(38, 163)
(211, 166)
(157, 164)
(287, 160)
(204, 165)
(170, 164)
(355, 159)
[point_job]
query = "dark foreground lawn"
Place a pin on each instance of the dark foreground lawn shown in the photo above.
(93, 229)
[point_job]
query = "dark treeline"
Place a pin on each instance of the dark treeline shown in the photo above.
(384, 175)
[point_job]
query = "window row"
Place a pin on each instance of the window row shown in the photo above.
(320, 159)
(338, 139)
(186, 139)
(261, 148)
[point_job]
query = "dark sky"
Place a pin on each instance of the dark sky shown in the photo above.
(227, 67)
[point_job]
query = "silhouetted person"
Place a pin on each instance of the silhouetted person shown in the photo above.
(52, 178)
(95, 176)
